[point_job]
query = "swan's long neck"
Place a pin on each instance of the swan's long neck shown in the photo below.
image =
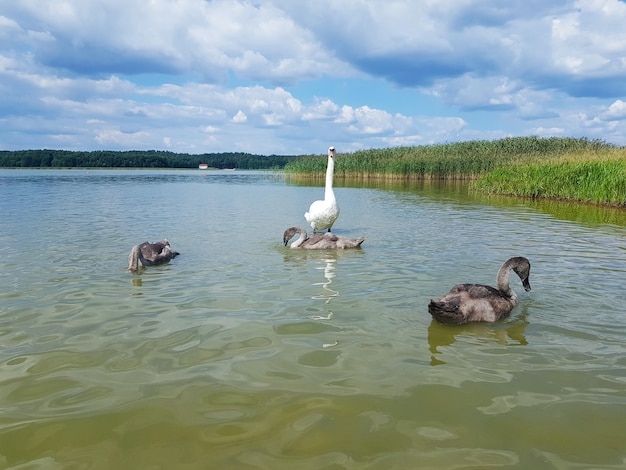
(329, 195)
(133, 259)
(301, 239)
(503, 281)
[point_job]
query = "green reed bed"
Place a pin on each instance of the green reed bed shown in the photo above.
(598, 178)
(582, 169)
(455, 160)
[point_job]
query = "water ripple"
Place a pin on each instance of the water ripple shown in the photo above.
(242, 352)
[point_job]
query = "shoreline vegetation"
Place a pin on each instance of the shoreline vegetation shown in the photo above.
(570, 169)
(138, 159)
(580, 170)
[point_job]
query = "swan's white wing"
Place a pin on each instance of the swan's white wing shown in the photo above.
(322, 214)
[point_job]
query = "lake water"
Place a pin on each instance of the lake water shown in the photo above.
(244, 354)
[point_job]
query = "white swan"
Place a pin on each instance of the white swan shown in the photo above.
(323, 213)
(475, 302)
(320, 241)
(148, 254)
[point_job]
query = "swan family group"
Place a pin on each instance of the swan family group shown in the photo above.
(464, 303)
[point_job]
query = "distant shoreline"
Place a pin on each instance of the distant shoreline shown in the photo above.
(568, 169)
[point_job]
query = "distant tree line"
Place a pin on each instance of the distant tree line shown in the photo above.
(137, 159)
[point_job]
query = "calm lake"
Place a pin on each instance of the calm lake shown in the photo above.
(244, 354)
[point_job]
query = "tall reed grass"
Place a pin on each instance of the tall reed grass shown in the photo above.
(565, 168)
(580, 176)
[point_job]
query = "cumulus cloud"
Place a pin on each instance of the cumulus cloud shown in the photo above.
(617, 111)
(279, 76)
(259, 42)
(240, 117)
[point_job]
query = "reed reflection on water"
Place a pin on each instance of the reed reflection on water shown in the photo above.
(243, 353)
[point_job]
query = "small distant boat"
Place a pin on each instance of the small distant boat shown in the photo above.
(203, 166)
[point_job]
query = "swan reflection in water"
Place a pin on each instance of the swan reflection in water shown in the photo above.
(327, 293)
(510, 333)
(329, 273)
(325, 261)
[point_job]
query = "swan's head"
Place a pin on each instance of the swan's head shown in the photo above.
(289, 233)
(331, 151)
(522, 269)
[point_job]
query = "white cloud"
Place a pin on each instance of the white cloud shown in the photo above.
(116, 138)
(287, 76)
(365, 120)
(548, 132)
(617, 111)
(240, 117)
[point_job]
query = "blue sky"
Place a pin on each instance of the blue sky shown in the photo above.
(293, 77)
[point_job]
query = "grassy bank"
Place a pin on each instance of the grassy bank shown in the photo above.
(566, 168)
(598, 177)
